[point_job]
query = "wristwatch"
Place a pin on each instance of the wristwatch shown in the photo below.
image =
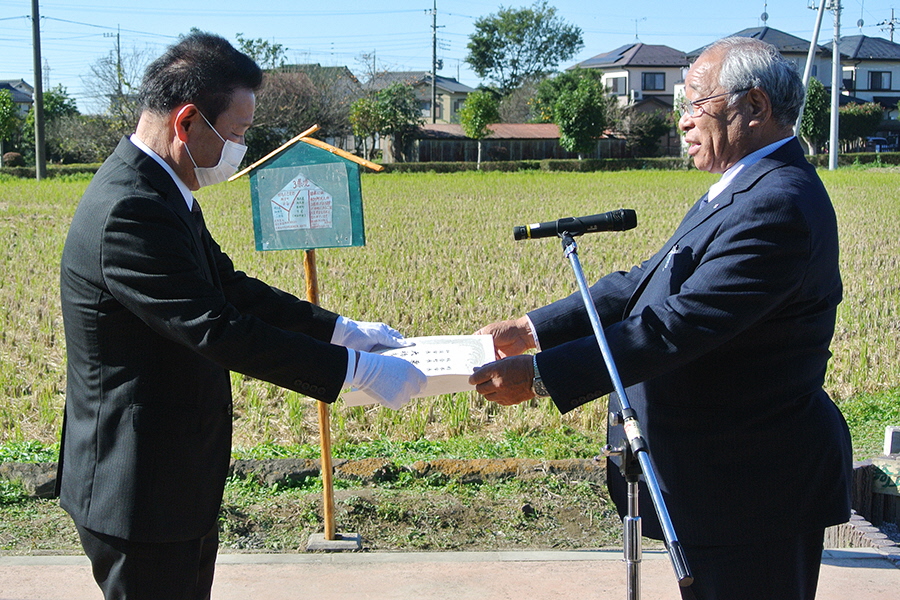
(537, 385)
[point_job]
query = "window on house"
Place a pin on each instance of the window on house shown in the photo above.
(617, 85)
(848, 79)
(653, 82)
(425, 107)
(880, 81)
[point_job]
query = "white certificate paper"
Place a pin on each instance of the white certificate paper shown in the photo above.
(447, 361)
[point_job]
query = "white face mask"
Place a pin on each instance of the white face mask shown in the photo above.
(229, 161)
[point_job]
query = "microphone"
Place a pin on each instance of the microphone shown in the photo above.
(614, 220)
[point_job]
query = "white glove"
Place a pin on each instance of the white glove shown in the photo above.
(364, 336)
(390, 380)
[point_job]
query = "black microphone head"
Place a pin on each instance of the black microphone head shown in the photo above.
(629, 219)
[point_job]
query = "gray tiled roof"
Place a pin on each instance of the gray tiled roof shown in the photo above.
(636, 54)
(448, 84)
(783, 42)
(863, 47)
(17, 96)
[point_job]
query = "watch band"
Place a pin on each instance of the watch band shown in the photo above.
(537, 385)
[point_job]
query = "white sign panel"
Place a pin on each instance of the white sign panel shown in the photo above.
(301, 204)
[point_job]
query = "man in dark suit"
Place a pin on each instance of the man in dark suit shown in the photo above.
(155, 318)
(721, 340)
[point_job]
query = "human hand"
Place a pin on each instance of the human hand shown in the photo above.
(511, 338)
(390, 380)
(364, 336)
(506, 381)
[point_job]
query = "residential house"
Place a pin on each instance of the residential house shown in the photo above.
(450, 94)
(640, 74)
(871, 72)
(644, 78)
(22, 93)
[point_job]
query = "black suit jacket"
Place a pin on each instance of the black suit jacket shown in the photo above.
(155, 318)
(721, 341)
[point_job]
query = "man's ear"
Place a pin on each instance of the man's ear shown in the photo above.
(760, 107)
(183, 120)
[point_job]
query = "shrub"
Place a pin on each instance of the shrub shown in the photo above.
(13, 159)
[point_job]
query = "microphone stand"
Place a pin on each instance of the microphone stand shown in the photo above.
(634, 455)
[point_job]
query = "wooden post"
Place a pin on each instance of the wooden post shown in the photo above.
(312, 295)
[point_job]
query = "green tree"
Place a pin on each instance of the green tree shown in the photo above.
(549, 89)
(57, 104)
(9, 119)
(642, 130)
(365, 120)
(399, 116)
(513, 45)
(581, 115)
(268, 55)
(857, 121)
(480, 110)
(816, 123)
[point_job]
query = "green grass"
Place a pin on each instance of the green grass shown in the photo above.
(547, 445)
(440, 259)
(867, 415)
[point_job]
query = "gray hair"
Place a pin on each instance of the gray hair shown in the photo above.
(750, 63)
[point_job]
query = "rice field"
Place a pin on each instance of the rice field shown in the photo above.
(440, 259)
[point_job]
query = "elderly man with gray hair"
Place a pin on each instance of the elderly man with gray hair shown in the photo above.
(721, 340)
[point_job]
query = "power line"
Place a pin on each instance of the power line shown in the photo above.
(110, 28)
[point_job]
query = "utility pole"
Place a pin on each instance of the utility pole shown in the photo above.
(890, 24)
(434, 63)
(119, 75)
(835, 86)
(40, 158)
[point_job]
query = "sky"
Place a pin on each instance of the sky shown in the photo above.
(398, 33)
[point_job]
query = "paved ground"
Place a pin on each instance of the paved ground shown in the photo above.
(846, 575)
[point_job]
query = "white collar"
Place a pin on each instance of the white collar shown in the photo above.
(188, 197)
(749, 160)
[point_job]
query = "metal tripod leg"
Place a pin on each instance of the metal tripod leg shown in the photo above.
(632, 533)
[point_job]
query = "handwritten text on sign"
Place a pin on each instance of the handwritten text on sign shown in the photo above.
(301, 204)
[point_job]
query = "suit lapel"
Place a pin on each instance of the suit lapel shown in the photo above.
(702, 211)
(165, 187)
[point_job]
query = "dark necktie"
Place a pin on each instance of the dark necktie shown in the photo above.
(700, 204)
(198, 218)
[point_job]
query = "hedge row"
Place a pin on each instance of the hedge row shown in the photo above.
(52, 170)
(582, 166)
(857, 158)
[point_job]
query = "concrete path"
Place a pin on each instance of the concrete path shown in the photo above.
(586, 575)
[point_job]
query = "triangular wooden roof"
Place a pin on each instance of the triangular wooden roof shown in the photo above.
(304, 137)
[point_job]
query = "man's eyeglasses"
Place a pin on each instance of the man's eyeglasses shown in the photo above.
(692, 108)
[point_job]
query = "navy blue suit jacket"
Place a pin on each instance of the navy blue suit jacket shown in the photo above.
(721, 341)
(155, 317)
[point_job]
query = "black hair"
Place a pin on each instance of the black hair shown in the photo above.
(202, 69)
